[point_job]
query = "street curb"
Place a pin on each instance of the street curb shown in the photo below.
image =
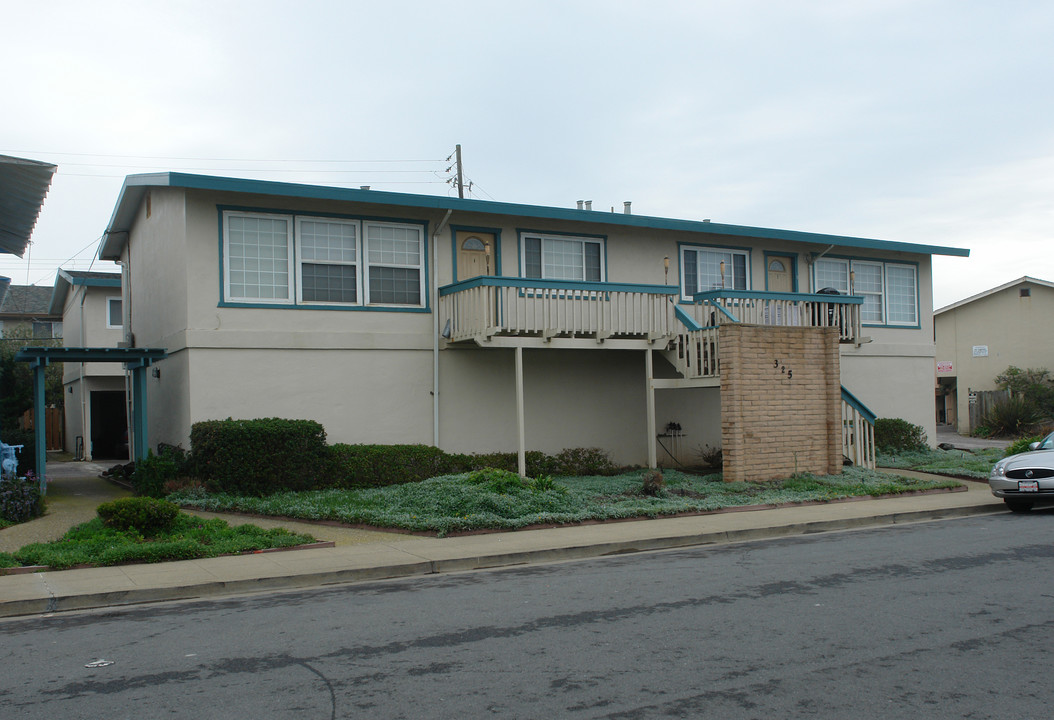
(88, 601)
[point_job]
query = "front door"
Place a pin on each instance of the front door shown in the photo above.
(475, 254)
(780, 274)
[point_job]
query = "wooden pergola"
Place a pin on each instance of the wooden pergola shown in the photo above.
(137, 360)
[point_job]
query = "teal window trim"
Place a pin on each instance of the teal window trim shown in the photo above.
(319, 306)
(293, 215)
(794, 266)
(455, 229)
(602, 239)
(917, 325)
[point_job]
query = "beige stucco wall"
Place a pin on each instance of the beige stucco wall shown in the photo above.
(1015, 331)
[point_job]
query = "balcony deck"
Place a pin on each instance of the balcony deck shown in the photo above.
(486, 310)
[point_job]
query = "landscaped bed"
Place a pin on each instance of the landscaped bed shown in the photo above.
(94, 544)
(493, 499)
(975, 465)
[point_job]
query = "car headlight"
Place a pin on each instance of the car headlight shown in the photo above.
(999, 470)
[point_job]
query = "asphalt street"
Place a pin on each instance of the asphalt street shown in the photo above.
(945, 619)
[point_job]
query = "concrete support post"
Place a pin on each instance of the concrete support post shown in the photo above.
(649, 385)
(521, 452)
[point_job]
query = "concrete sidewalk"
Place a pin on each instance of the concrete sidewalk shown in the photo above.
(368, 555)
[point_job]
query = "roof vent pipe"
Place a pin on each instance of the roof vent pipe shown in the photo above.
(626, 207)
(364, 187)
(589, 204)
(581, 203)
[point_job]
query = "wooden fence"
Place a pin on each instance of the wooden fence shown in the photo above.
(982, 402)
(53, 423)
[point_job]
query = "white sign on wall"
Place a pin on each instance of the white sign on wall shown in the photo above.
(980, 351)
(944, 366)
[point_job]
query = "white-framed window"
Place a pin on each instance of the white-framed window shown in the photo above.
(306, 260)
(258, 257)
(395, 255)
(890, 290)
(560, 257)
(114, 314)
(704, 269)
(901, 294)
(327, 261)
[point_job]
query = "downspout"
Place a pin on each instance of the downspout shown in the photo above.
(435, 327)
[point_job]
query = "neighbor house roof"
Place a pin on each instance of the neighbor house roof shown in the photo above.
(29, 301)
(136, 186)
(23, 185)
(1026, 280)
(66, 279)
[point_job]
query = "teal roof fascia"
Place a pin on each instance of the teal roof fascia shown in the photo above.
(135, 187)
(130, 356)
(65, 280)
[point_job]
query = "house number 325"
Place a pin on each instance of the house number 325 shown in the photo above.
(783, 369)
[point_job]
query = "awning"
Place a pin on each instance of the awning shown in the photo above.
(23, 185)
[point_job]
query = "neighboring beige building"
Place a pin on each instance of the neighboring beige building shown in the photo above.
(484, 326)
(981, 336)
(96, 406)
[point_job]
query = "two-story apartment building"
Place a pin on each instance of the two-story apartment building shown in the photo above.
(979, 337)
(96, 406)
(482, 326)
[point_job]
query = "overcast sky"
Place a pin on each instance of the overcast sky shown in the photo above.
(924, 122)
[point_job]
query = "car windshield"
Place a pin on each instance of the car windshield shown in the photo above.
(1047, 443)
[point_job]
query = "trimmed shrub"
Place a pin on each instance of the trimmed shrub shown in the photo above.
(359, 466)
(499, 481)
(896, 435)
(380, 465)
(20, 499)
(154, 471)
(144, 515)
(260, 457)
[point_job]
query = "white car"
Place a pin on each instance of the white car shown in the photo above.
(1026, 479)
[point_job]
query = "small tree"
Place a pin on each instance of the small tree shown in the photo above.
(1033, 386)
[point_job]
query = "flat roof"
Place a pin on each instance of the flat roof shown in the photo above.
(135, 187)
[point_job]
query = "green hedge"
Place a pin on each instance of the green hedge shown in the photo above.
(897, 435)
(356, 466)
(259, 457)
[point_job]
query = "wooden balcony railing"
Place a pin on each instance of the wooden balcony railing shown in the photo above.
(484, 307)
(718, 307)
(858, 431)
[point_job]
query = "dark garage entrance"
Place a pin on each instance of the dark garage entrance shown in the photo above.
(109, 425)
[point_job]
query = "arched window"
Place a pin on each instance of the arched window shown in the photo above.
(777, 266)
(473, 243)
